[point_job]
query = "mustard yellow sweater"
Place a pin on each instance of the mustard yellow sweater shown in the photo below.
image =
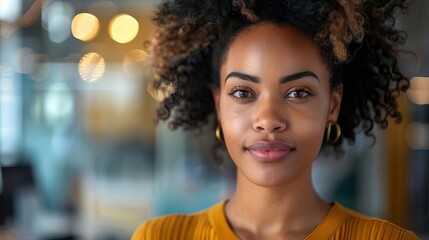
(211, 224)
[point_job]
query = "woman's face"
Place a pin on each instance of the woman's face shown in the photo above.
(274, 102)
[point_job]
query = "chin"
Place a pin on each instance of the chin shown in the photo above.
(274, 178)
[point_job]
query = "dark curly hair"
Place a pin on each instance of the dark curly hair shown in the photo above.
(356, 38)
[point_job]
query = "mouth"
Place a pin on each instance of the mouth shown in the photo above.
(270, 151)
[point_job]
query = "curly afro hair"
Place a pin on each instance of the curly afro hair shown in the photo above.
(356, 38)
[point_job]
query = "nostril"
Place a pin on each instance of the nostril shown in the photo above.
(276, 128)
(270, 128)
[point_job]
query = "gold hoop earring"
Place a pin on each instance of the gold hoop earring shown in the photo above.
(337, 132)
(219, 134)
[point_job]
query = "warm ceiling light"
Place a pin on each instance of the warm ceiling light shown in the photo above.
(85, 26)
(91, 67)
(123, 28)
(419, 90)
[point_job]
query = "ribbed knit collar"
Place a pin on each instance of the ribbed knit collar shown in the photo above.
(333, 220)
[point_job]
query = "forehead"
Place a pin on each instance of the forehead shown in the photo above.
(269, 44)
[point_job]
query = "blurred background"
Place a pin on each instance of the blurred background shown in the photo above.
(81, 155)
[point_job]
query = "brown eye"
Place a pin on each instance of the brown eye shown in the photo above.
(241, 93)
(299, 94)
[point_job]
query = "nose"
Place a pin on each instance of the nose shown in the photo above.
(269, 117)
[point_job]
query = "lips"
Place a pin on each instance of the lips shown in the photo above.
(269, 151)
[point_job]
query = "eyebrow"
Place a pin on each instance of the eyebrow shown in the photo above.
(243, 76)
(284, 79)
(299, 75)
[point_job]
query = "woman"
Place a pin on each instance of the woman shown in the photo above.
(283, 79)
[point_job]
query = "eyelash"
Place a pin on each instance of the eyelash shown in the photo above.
(245, 90)
(240, 89)
(300, 90)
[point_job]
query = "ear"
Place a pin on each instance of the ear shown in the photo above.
(335, 104)
(216, 98)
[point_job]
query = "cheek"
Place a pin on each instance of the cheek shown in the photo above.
(309, 126)
(236, 125)
(310, 131)
(234, 121)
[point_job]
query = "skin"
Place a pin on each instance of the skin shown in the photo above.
(274, 87)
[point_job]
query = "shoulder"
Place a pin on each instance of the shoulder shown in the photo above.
(360, 226)
(174, 226)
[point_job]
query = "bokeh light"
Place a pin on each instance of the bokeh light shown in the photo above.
(91, 67)
(58, 28)
(417, 136)
(123, 28)
(58, 105)
(56, 19)
(134, 62)
(9, 10)
(85, 26)
(419, 90)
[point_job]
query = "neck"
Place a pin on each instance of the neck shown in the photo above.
(290, 209)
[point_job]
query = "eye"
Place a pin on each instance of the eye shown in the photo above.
(241, 93)
(300, 94)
